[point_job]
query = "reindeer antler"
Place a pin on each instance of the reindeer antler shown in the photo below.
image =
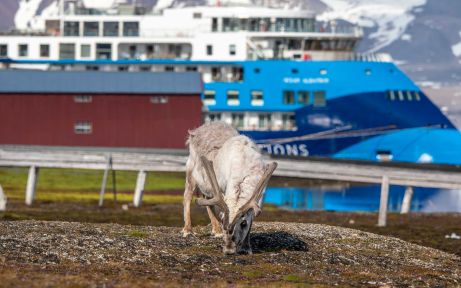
(218, 199)
(253, 202)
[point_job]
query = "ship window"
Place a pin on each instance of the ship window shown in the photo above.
(257, 98)
(231, 24)
(237, 120)
(130, 28)
(90, 29)
(384, 155)
(23, 50)
(323, 71)
(145, 68)
(103, 51)
(85, 51)
(232, 49)
(391, 95)
(83, 127)
(288, 97)
(209, 97)
(303, 97)
(83, 99)
(214, 24)
(417, 96)
(132, 51)
(288, 121)
(159, 99)
(401, 96)
(44, 50)
(92, 68)
(368, 71)
(257, 70)
(237, 74)
(320, 99)
(71, 28)
(197, 15)
(216, 73)
(191, 68)
(122, 68)
(294, 44)
(110, 29)
(409, 96)
(66, 51)
(294, 71)
(264, 121)
(169, 68)
(233, 98)
(3, 50)
(213, 117)
(209, 50)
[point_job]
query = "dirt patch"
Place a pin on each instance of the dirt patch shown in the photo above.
(37, 254)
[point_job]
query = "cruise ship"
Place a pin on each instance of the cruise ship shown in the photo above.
(293, 84)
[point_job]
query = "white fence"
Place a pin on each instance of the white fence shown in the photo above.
(386, 174)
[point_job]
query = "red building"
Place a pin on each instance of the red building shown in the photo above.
(100, 109)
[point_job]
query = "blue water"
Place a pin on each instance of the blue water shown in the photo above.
(362, 198)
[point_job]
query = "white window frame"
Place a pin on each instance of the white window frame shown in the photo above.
(83, 127)
(233, 102)
(83, 98)
(159, 99)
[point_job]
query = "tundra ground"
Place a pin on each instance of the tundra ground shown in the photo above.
(35, 253)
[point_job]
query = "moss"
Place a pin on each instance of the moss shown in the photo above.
(138, 234)
(252, 274)
(292, 278)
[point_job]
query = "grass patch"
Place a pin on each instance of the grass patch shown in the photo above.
(252, 274)
(59, 185)
(87, 180)
(292, 278)
(67, 196)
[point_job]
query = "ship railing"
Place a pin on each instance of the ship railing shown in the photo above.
(158, 160)
(371, 57)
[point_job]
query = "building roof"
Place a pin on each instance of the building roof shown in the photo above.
(34, 81)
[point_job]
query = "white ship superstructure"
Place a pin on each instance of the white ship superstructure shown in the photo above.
(209, 33)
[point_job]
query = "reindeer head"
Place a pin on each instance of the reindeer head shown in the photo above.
(236, 233)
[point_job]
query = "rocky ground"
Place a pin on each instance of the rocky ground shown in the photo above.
(38, 254)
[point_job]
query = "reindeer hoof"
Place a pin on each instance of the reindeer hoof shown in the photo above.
(186, 232)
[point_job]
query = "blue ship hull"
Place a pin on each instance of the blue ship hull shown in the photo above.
(359, 109)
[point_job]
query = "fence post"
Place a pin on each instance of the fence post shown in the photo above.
(140, 182)
(104, 181)
(406, 203)
(383, 203)
(31, 185)
(2, 200)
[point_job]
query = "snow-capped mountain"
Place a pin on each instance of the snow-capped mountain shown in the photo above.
(423, 36)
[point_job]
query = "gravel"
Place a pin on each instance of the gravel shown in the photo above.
(37, 254)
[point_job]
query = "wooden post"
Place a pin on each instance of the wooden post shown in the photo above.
(383, 203)
(31, 185)
(2, 200)
(406, 203)
(114, 184)
(140, 182)
(104, 181)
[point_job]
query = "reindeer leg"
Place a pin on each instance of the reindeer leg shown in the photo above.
(216, 229)
(188, 193)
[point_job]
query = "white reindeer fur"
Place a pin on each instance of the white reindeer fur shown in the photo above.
(236, 160)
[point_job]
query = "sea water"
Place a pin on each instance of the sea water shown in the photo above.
(363, 198)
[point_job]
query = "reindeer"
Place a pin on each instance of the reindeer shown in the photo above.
(227, 169)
